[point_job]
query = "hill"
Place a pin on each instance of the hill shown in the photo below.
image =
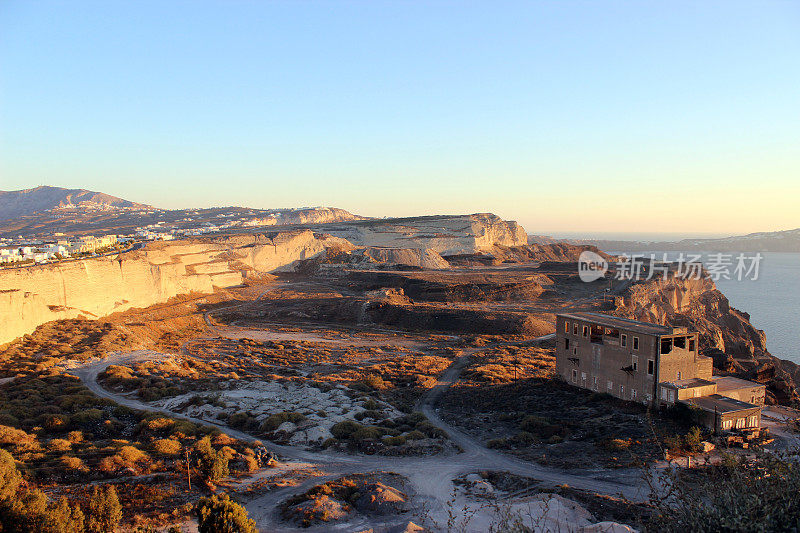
(771, 241)
(14, 204)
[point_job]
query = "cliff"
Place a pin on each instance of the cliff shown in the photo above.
(100, 286)
(443, 234)
(726, 334)
(104, 285)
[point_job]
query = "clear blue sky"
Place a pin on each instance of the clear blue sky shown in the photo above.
(567, 116)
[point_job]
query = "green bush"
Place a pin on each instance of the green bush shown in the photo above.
(344, 429)
(273, 421)
(213, 464)
(365, 433)
(220, 514)
(104, 510)
(394, 441)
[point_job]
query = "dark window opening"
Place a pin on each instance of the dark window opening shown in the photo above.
(596, 334)
(679, 342)
(691, 345)
(624, 341)
(636, 343)
(666, 346)
(575, 329)
(566, 327)
(566, 344)
(613, 333)
(651, 367)
(586, 331)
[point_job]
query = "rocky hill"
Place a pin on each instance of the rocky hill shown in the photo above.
(726, 334)
(15, 204)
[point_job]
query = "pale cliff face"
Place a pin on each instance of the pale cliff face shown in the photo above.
(445, 235)
(100, 286)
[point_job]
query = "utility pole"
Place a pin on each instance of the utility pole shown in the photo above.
(188, 471)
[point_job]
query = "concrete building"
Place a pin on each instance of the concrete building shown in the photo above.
(652, 364)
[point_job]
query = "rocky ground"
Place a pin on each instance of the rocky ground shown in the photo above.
(392, 396)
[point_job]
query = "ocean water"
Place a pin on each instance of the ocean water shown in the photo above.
(772, 300)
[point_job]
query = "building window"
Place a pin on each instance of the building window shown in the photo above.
(585, 331)
(624, 341)
(594, 382)
(679, 376)
(566, 327)
(566, 344)
(663, 393)
(634, 363)
(752, 421)
(649, 397)
(575, 350)
(691, 345)
(574, 376)
(633, 394)
(622, 391)
(636, 343)
(726, 424)
(583, 379)
(651, 367)
(671, 396)
(740, 423)
(609, 386)
(575, 329)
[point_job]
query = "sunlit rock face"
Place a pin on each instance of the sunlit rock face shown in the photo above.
(100, 286)
(443, 234)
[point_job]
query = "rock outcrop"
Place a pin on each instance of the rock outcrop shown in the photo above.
(444, 234)
(726, 334)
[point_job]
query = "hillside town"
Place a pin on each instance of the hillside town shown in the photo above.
(19, 252)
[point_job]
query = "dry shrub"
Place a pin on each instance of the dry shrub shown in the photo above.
(130, 454)
(73, 463)
(156, 424)
(18, 440)
(250, 462)
(75, 436)
(59, 445)
(167, 446)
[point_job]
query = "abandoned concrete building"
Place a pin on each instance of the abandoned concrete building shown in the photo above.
(652, 364)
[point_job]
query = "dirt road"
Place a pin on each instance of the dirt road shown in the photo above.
(430, 478)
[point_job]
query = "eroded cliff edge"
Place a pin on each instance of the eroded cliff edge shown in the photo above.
(97, 287)
(100, 286)
(726, 334)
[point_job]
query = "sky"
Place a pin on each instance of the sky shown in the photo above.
(569, 117)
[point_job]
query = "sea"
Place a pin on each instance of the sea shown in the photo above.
(772, 299)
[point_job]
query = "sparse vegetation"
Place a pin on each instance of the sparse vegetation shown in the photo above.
(220, 514)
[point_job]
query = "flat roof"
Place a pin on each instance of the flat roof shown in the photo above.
(720, 404)
(689, 383)
(731, 383)
(621, 323)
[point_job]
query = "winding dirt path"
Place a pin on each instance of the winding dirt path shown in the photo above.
(430, 478)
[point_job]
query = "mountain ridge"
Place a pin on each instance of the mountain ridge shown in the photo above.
(14, 204)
